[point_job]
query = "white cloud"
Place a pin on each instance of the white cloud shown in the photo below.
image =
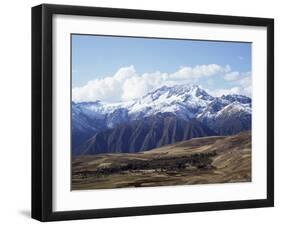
(127, 84)
(246, 84)
(106, 89)
(232, 76)
(242, 85)
(246, 80)
(246, 91)
(198, 72)
(210, 82)
(220, 92)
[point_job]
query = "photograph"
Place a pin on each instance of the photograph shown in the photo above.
(144, 112)
(150, 111)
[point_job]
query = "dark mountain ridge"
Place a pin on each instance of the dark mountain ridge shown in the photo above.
(143, 135)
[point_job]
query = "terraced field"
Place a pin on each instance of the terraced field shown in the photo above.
(207, 160)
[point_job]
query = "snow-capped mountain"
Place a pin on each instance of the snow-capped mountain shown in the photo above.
(228, 115)
(223, 115)
(185, 101)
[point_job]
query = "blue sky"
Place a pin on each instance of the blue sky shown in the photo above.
(100, 57)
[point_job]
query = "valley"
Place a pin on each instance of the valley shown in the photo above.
(201, 160)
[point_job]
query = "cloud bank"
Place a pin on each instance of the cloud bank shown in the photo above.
(242, 84)
(126, 84)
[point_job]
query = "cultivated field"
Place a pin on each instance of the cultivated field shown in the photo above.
(207, 160)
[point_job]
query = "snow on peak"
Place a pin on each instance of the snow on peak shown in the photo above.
(237, 97)
(183, 93)
(234, 108)
(185, 101)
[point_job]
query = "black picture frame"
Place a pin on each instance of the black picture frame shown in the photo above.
(42, 107)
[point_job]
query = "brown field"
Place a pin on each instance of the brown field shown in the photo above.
(207, 160)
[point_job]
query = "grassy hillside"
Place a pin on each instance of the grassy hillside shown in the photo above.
(220, 159)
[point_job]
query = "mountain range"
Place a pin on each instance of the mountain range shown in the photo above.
(164, 116)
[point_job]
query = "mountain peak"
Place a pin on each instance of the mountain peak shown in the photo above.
(237, 97)
(179, 90)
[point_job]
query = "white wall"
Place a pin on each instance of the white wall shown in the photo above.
(15, 116)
